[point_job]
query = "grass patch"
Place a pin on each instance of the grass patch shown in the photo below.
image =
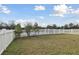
(45, 45)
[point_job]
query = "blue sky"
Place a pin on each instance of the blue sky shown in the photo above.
(44, 14)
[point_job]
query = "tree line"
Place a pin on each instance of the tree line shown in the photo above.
(35, 27)
(66, 26)
(12, 25)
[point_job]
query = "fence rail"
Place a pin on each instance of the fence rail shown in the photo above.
(7, 36)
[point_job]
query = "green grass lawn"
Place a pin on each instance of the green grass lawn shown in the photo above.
(44, 45)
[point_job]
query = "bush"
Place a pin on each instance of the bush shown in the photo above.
(18, 30)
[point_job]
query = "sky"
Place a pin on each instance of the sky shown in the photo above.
(43, 14)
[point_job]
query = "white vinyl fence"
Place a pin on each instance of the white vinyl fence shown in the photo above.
(52, 31)
(6, 37)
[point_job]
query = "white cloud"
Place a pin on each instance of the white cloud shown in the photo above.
(44, 24)
(41, 17)
(24, 22)
(50, 14)
(77, 21)
(4, 9)
(62, 9)
(76, 11)
(39, 7)
(61, 15)
(20, 21)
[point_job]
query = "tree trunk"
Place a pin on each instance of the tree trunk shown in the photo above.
(28, 34)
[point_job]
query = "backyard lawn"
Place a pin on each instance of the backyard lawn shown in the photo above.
(45, 45)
